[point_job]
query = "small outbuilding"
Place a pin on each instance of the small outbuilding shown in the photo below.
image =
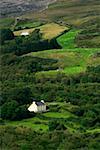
(37, 107)
(25, 33)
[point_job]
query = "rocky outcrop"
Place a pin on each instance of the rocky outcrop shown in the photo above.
(17, 7)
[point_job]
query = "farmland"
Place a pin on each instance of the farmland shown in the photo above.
(71, 59)
(58, 62)
(48, 31)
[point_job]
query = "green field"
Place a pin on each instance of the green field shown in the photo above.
(75, 13)
(67, 39)
(71, 59)
(34, 123)
(28, 24)
(58, 114)
(40, 122)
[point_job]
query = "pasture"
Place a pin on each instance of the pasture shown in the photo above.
(48, 31)
(74, 13)
(71, 59)
(52, 30)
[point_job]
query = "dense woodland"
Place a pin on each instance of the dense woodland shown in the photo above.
(20, 85)
(25, 139)
(23, 45)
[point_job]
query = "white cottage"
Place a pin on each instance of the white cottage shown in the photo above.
(37, 107)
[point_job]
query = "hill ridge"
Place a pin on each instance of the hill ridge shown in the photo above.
(14, 8)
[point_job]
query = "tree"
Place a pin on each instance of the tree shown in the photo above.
(22, 95)
(22, 112)
(35, 35)
(6, 34)
(8, 110)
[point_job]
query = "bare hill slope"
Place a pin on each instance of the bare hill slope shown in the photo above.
(15, 7)
(74, 12)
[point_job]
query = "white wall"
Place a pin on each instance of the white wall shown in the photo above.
(35, 108)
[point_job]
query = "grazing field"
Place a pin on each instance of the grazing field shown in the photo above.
(48, 31)
(34, 123)
(52, 30)
(58, 114)
(83, 14)
(71, 59)
(67, 40)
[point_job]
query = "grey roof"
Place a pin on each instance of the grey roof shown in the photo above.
(39, 103)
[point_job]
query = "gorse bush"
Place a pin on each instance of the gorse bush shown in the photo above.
(80, 90)
(49, 140)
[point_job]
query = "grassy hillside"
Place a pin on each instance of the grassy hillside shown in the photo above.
(16, 8)
(59, 62)
(75, 12)
(81, 14)
(71, 59)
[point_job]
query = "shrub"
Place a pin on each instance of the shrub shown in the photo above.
(6, 34)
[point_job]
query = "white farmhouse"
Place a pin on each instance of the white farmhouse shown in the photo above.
(25, 33)
(37, 107)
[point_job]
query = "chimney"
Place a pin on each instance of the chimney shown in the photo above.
(42, 101)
